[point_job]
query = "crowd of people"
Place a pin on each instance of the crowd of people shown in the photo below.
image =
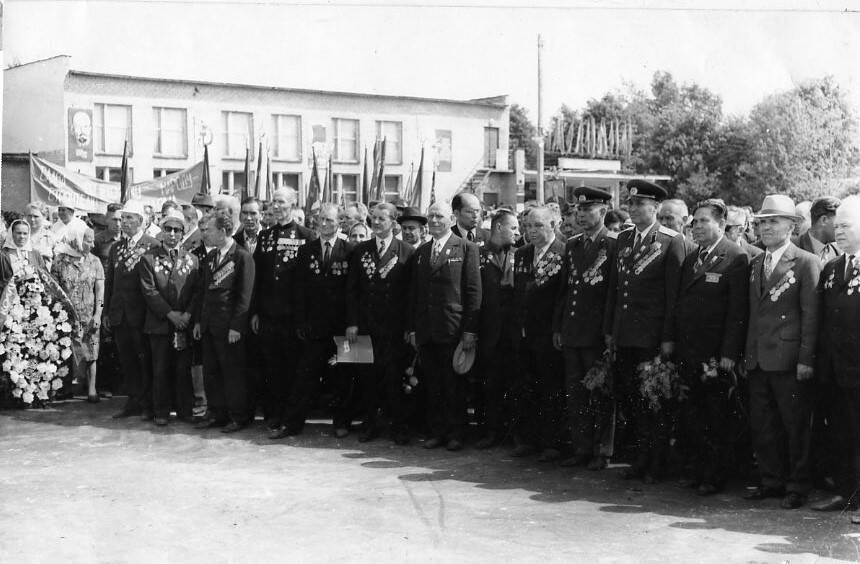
(547, 331)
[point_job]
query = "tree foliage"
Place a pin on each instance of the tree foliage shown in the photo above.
(522, 134)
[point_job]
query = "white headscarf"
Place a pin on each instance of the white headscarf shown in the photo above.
(9, 243)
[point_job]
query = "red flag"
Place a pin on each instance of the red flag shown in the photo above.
(205, 184)
(433, 188)
(415, 195)
(406, 191)
(380, 185)
(123, 175)
(313, 196)
(245, 188)
(259, 180)
(365, 180)
(374, 181)
(327, 188)
(269, 179)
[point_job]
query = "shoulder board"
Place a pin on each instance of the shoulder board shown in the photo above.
(611, 235)
(577, 236)
(667, 231)
(627, 230)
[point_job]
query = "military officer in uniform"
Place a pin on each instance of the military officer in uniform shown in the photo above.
(539, 391)
(498, 336)
(643, 290)
(445, 303)
(169, 278)
(780, 355)
(710, 324)
(588, 257)
(220, 311)
(272, 311)
(377, 293)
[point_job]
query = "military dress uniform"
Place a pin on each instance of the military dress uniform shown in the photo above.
(275, 260)
(169, 278)
(710, 324)
(377, 302)
(643, 289)
(320, 276)
(539, 391)
(582, 302)
(125, 308)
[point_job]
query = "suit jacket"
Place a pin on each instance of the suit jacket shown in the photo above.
(195, 239)
(123, 297)
(446, 295)
(536, 288)
(839, 343)
(497, 301)
(828, 253)
(275, 259)
(783, 324)
(712, 309)
(643, 288)
(167, 285)
(223, 298)
(581, 302)
(320, 291)
(481, 235)
(378, 289)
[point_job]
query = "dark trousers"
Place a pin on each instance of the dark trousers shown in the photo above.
(224, 375)
(380, 385)
(648, 430)
(704, 432)
(109, 370)
(311, 368)
(780, 423)
(846, 413)
(495, 367)
(171, 377)
(591, 414)
(446, 391)
(825, 454)
(539, 393)
(280, 351)
(133, 351)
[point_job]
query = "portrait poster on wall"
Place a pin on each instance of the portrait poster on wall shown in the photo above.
(80, 135)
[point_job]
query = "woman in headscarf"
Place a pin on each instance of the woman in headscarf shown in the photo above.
(18, 250)
(41, 239)
(80, 274)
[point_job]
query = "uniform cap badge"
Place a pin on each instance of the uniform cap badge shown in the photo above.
(634, 191)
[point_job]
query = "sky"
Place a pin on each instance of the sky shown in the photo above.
(459, 50)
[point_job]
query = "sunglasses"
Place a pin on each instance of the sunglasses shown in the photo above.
(169, 229)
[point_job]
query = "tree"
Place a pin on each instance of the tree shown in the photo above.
(522, 134)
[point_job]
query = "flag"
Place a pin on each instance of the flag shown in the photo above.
(269, 179)
(380, 185)
(374, 181)
(245, 188)
(433, 188)
(406, 192)
(205, 184)
(365, 180)
(415, 195)
(327, 187)
(313, 196)
(123, 175)
(259, 181)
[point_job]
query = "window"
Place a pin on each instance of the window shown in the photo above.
(392, 132)
(392, 188)
(238, 134)
(288, 137)
(232, 181)
(170, 135)
(346, 140)
(287, 180)
(159, 172)
(112, 126)
(113, 174)
(348, 186)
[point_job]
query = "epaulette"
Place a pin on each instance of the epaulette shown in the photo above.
(626, 229)
(612, 234)
(667, 231)
(575, 236)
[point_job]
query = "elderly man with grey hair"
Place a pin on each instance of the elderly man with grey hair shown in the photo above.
(272, 307)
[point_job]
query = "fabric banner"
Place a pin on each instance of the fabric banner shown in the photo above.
(55, 185)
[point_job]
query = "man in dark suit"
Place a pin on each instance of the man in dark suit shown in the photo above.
(377, 300)
(643, 290)
(539, 389)
(169, 278)
(467, 214)
(710, 324)
(445, 303)
(819, 238)
(839, 291)
(320, 278)
(221, 320)
(108, 362)
(272, 318)
(588, 257)
(780, 355)
(125, 311)
(249, 215)
(105, 240)
(498, 336)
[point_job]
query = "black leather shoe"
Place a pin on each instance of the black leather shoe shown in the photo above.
(341, 432)
(283, 431)
(792, 500)
(367, 436)
(125, 413)
(209, 424)
(432, 443)
(147, 416)
(598, 463)
(401, 439)
(835, 503)
(763, 492)
(232, 427)
(454, 445)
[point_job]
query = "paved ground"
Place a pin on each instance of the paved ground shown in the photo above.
(76, 486)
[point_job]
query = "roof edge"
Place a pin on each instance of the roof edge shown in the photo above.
(13, 67)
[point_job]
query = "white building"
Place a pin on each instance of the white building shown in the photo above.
(81, 120)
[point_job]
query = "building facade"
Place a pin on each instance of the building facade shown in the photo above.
(83, 120)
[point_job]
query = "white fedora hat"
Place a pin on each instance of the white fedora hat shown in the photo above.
(777, 205)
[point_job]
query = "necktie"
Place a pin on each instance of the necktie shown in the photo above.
(507, 270)
(327, 254)
(638, 240)
(586, 244)
(768, 266)
(849, 266)
(470, 236)
(436, 249)
(538, 255)
(381, 249)
(700, 262)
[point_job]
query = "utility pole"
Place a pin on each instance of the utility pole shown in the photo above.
(540, 132)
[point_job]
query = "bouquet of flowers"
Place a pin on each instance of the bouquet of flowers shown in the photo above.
(659, 381)
(35, 336)
(599, 378)
(710, 369)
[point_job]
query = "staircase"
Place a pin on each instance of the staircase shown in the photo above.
(476, 180)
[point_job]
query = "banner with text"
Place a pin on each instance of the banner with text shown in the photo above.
(55, 185)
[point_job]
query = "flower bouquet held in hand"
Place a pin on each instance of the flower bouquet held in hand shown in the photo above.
(598, 379)
(36, 327)
(660, 382)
